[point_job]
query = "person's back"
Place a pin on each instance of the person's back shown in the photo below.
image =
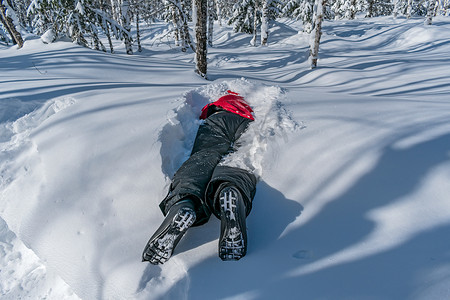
(202, 187)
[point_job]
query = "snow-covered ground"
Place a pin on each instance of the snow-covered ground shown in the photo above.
(354, 159)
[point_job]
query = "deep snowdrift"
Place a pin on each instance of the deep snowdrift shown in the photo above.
(354, 206)
(271, 120)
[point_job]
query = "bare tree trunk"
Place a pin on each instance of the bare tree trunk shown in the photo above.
(265, 23)
(430, 12)
(438, 10)
(219, 14)
(211, 10)
(255, 23)
(6, 23)
(10, 27)
(138, 32)
(395, 11)
(176, 29)
(446, 8)
(352, 9)
(106, 27)
(408, 9)
(115, 9)
(186, 34)
(200, 33)
(194, 17)
(182, 35)
(108, 35)
(370, 6)
(126, 12)
(182, 22)
(317, 33)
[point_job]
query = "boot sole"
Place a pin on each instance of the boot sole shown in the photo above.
(160, 248)
(232, 245)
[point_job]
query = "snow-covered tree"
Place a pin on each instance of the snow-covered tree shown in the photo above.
(4, 36)
(300, 10)
(10, 22)
(439, 7)
(347, 9)
(251, 15)
(79, 20)
(374, 8)
(243, 18)
(176, 12)
(20, 8)
(446, 8)
(225, 9)
(383, 8)
(409, 8)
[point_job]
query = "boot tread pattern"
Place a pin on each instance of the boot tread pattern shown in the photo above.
(232, 246)
(161, 249)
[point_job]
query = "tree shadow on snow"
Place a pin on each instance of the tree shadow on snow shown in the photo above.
(393, 273)
(269, 271)
(342, 224)
(214, 279)
(270, 215)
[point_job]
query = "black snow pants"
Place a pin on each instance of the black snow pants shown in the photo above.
(200, 178)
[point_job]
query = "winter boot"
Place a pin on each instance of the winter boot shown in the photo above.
(161, 245)
(233, 230)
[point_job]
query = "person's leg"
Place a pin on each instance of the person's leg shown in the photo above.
(161, 245)
(214, 139)
(233, 228)
(230, 194)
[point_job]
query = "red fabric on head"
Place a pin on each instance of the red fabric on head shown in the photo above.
(232, 103)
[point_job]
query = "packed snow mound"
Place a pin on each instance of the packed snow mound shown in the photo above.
(272, 121)
(22, 272)
(417, 36)
(15, 145)
(48, 37)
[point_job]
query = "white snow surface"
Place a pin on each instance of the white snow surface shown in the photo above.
(353, 159)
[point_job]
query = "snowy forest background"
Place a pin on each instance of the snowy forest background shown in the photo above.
(95, 24)
(353, 155)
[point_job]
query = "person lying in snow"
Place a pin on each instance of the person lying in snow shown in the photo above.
(202, 186)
